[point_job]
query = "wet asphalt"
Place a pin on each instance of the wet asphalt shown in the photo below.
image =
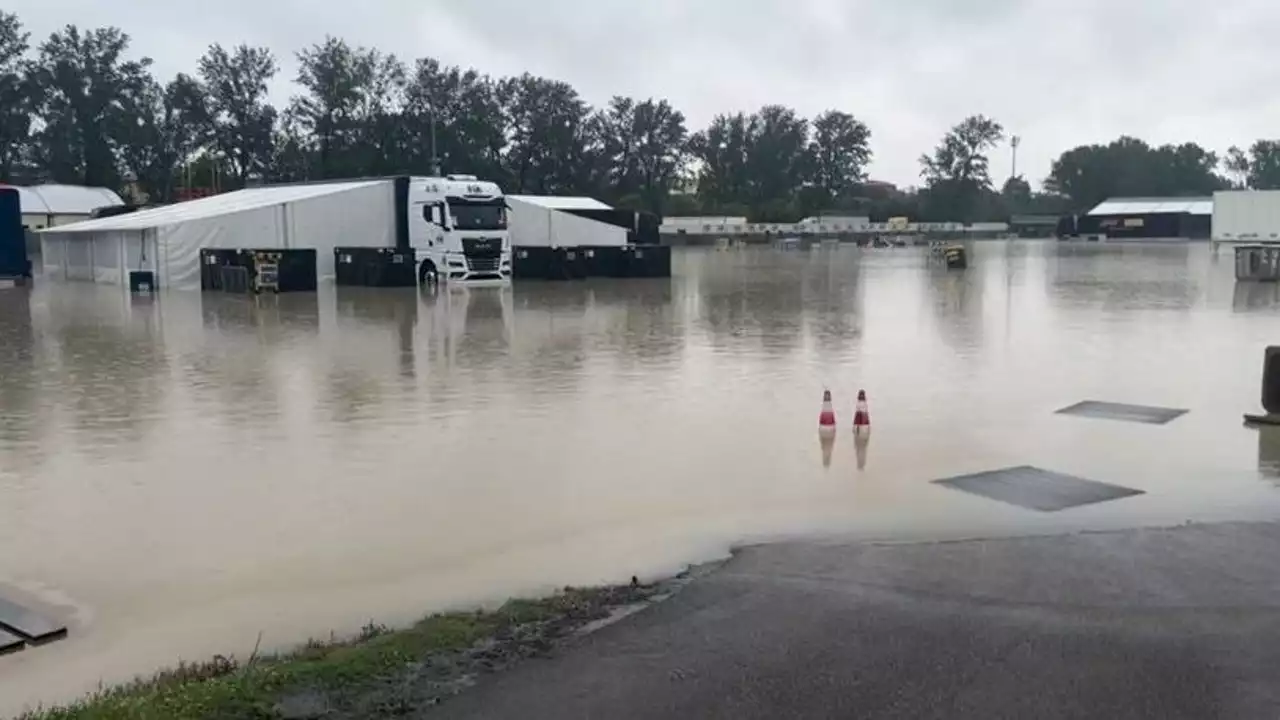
(1157, 623)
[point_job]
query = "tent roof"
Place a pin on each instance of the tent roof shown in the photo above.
(552, 202)
(63, 199)
(1153, 206)
(212, 206)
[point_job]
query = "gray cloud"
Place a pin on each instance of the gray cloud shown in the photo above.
(1058, 74)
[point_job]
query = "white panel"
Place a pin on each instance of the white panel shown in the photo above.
(140, 251)
(258, 227)
(1246, 215)
(107, 258)
(79, 258)
(53, 256)
(362, 216)
(529, 224)
(560, 203)
(568, 230)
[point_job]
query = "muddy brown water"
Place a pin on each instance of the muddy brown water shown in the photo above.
(180, 475)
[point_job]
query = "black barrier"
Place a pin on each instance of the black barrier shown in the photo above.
(264, 269)
(603, 261)
(1271, 380)
(374, 267)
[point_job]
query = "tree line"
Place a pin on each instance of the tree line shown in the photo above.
(78, 108)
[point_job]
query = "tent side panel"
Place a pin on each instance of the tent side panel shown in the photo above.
(253, 228)
(574, 231)
(361, 216)
(107, 257)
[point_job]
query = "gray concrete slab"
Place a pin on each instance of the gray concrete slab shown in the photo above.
(1036, 489)
(29, 624)
(1122, 411)
(1176, 623)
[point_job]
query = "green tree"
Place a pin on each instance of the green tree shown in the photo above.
(1259, 169)
(349, 113)
(841, 149)
(548, 124)
(169, 125)
(242, 120)
(957, 174)
(1129, 167)
(1236, 163)
(760, 161)
(458, 114)
(721, 150)
(82, 84)
(640, 150)
(15, 95)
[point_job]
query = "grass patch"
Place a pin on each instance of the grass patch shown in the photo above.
(379, 671)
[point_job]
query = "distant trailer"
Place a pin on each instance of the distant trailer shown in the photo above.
(1246, 217)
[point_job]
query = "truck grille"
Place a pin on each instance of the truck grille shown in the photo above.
(483, 264)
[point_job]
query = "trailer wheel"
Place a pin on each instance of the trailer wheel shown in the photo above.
(427, 273)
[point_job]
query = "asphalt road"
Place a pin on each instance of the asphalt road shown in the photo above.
(1177, 623)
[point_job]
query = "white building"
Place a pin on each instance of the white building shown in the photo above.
(45, 206)
(697, 224)
(544, 221)
(167, 240)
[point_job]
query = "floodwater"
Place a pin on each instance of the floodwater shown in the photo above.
(182, 475)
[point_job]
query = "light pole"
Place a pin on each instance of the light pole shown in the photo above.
(435, 159)
(1014, 142)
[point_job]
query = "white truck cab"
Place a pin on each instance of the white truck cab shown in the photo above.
(458, 230)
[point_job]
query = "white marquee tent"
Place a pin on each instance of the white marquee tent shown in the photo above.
(547, 221)
(167, 240)
(48, 205)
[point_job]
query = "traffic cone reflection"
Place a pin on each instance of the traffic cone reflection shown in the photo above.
(860, 443)
(827, 440)
(861, 415)
(826, 418)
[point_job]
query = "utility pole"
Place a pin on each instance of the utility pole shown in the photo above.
(435, 159)
(1014, 142)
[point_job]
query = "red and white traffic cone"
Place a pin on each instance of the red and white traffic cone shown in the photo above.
(827, 418)
(861, 415)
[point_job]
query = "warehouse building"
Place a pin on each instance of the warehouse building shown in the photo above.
(45, 206)
(1149, 219)
(167, 240)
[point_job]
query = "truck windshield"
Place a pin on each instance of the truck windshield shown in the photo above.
(490, 215)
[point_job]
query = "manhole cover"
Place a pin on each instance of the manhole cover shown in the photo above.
(1121, 411)
(1036, 489)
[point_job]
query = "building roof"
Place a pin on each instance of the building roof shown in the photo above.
(63, 199)
(561, 203)
(212, 206)
(1152, 206)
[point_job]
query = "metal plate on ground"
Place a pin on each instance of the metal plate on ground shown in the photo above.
(28, 624)
(1035, 489)
(1121, 411)
(10, 643)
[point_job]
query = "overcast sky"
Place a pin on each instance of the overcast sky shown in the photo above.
(1056, 72)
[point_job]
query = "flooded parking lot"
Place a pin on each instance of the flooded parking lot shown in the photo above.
(183, 474)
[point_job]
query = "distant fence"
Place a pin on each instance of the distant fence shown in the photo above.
(731, 230)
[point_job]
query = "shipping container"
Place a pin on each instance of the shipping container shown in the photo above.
(258, 270)
(374, 267)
